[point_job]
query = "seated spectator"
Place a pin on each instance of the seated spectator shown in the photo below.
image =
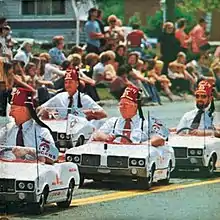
(179, 76)
(102, 75)
(24, 52)
(201, 67)
(161, 81)
(51, 72)
(56, 54)
(20, 76)
(120, 53)
(150, 86)
(119, 84)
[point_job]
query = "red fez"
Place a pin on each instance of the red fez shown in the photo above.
(204, 87)
(21, 96)
(71, 74)
(131, 93)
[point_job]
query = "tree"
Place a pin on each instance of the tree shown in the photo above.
(170, 10)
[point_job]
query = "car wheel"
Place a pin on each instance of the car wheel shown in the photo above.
(167, 180)
(81, 182)
(146, 183)
(80, 141)
(66, 204)
(38, 208)
(209, 170)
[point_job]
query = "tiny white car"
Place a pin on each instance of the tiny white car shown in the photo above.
(194, 152)
(58, 123)
(113, 161)
(24, 181)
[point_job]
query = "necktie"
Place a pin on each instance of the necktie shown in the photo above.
(19, 139)
(196, 121)
(70, 104)
(126, 131)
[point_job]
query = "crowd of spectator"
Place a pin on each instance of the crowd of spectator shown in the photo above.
(113, 60)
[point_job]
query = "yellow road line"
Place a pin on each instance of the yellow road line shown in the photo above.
(133, 193)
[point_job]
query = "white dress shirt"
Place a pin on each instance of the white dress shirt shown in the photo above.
(114, 126)
(206, 121)
(33, 136)
(61, 100)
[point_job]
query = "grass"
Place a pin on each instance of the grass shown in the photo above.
(104, 94)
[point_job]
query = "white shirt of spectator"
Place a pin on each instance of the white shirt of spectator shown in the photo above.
(61, 100)
(205, 123)
(137, 134)
(98, 70)
(51, 72)
(22, 56)
(8, 134)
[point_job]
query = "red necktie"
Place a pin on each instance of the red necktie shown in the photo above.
(126, 131)
(19, 139)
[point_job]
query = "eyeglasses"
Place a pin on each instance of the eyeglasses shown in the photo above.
(201, 96)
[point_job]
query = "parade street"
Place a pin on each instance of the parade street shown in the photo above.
(190, 196)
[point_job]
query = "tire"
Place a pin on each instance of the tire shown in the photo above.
(146, 182)
(66, 204)
(209, 170)
(167, 180)
(38, 208)
(81, 182)
(80, 141)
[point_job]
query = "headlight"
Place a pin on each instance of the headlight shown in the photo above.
(137, 162)
(199, 152)
(25, 185)
(62, 136)
(195, 152)
(192, 152)
(141, 163)
(133, 162)
(76, 159)
(30, 186)
(21, 185)
(69, 158)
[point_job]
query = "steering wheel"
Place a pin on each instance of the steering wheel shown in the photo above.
(184, 129)
(2, 151)
(123, 136)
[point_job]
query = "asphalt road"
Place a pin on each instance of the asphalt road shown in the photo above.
(188, 196)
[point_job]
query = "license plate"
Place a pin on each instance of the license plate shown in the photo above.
(103, 170)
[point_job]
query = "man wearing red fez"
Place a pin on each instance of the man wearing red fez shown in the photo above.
(131, 123)
(200, 121)
(27, 130)
(73, 98)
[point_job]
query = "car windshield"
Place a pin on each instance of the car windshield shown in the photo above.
(56, 113)
(17, 154)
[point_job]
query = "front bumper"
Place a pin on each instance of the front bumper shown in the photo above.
(17, 197)
(106, 173)
(189, 163)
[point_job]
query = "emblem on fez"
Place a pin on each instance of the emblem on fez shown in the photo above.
(68, 74)
(15, 92)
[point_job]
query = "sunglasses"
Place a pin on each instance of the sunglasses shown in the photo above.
(201, 96)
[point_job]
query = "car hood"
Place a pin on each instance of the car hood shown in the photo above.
(21, 171)
(192, 141)
(112, 149)
(56, 125)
